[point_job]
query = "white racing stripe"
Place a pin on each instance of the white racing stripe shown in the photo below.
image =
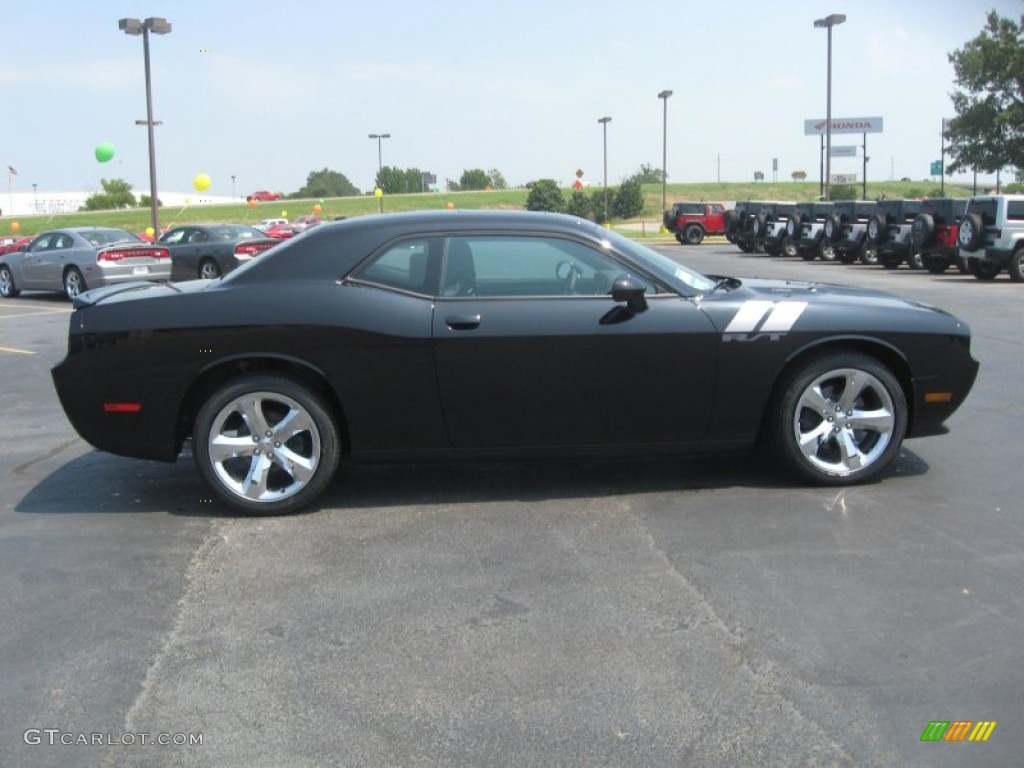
(780, 316)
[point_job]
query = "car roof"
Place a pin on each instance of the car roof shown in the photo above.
(441, 221)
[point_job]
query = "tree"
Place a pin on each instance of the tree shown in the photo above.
(400, 181)
(988, 130)
(497, 179)
(545, 196)
(798, 175)
(117, 193)
(475, 178)
(579, 204)
(144, 201)
(629, 200)
(326, 183)
(648, 174)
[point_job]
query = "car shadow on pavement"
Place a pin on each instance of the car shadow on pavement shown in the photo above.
(101, 483)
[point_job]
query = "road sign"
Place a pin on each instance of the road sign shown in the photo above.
(847, 151)
(936, 168)
(844, 125)
(844, 178)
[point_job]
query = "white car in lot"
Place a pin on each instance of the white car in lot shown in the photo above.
(266, 224)
(991, 236)
(74, 259)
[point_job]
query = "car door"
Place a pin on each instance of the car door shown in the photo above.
(33, 264)
(61, 253)
(531, 350)
(183, 253)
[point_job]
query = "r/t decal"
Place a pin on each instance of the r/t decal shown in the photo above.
(763, 319)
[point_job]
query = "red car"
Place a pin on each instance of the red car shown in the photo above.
(264, 195)
(281, 231)
(10, 243)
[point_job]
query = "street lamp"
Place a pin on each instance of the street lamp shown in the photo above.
(664, 149)
(158, 26)
(232, 185)
(828, 22)
(604, 125)
(380, 157)
(35, 197)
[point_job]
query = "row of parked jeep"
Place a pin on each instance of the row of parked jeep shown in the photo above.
(980, 235)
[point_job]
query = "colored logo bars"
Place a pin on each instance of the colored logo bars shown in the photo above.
(958, 730)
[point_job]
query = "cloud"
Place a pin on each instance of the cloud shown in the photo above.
(104, 76)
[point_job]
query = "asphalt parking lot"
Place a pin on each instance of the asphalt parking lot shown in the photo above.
(699, 612)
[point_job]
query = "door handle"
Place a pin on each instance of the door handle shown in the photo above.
(463, 322)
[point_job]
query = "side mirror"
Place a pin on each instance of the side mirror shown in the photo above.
(631, 291)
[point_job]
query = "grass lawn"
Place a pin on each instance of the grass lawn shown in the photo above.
(137, 219)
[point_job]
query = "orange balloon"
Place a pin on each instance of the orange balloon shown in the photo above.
(450, 206)
(252, 202)
(15, 226)
(317, 208)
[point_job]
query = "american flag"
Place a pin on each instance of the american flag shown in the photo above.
(10, 170)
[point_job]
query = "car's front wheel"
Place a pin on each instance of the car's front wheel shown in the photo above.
(841, 419)
(266, 444)
(7, 287)
(208, 269)
(74, 283)
(1015, 266)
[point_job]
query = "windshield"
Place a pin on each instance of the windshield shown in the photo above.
(659, 264)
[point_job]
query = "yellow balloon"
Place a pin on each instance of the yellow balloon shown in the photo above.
(284, 214)
(188, 200)
(202, 182)
(378, 192)
(150, 231)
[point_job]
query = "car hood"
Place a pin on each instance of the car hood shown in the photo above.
(831, 307)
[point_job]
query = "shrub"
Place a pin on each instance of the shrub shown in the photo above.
(629, 200)
(545, 196)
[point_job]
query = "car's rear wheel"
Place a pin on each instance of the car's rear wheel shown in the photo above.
(680, 239)
(74, 283)
(983, 269)
(208, 269)
(841, 419)
(266, 444)
(890, 260)
(7, 288)
(915, 260)
(825, 250)
(694, 235)
(869, 256)
(847, 257)
(936, 264)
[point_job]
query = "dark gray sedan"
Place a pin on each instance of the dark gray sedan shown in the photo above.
(207, 251)
(74, 259)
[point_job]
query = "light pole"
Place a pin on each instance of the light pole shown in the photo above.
(232, 185)
(604, 126)
(664, 149)
(828, 22)
(158, 26)
(380, 156)
(35, 197)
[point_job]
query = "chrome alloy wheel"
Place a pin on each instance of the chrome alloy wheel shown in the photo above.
(844, 421)
(264, 446)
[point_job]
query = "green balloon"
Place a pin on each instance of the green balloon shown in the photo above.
(104, 151)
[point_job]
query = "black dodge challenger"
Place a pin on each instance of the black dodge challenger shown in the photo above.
(476, 335)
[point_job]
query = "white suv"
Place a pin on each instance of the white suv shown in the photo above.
(992, 236)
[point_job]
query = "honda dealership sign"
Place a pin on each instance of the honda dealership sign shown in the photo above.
(844, 125)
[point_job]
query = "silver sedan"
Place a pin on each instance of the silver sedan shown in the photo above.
(74, 259)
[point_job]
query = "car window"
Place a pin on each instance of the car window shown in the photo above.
(1015, 210)
(405, 266)
(173, 237)
(102, 237)
(61, 241)
(522, 265)
(42, 243)
(197, 236)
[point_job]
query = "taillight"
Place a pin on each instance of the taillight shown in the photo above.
(251, 249)
(127, 253)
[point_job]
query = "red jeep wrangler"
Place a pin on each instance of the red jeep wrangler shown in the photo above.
(264, 196)
(692, 221)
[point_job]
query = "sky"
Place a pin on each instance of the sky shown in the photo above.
(269, 91)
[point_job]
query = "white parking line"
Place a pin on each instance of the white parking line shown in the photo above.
(14, 351)
(19, 313)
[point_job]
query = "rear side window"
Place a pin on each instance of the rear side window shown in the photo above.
(406, 266)
(1015, 210)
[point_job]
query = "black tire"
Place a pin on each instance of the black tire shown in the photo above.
(825, 250)
(983, 269)
(208, 269)
(680, 239)
(808, 254)
(817, 408)
(833, 228)
(847, 257)
(789, 248)
(936, 265)
(668, 220)
(877, 230)
(759, 224)
(793, 226)
(745, 246)
(868, 256)
(890, 260)
(731, 218)
(8, 289)
(1015, 266)
(694, 234)
(922, 231)
(971, 233)
(74, 283)
(915, 260)
(266, 401)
